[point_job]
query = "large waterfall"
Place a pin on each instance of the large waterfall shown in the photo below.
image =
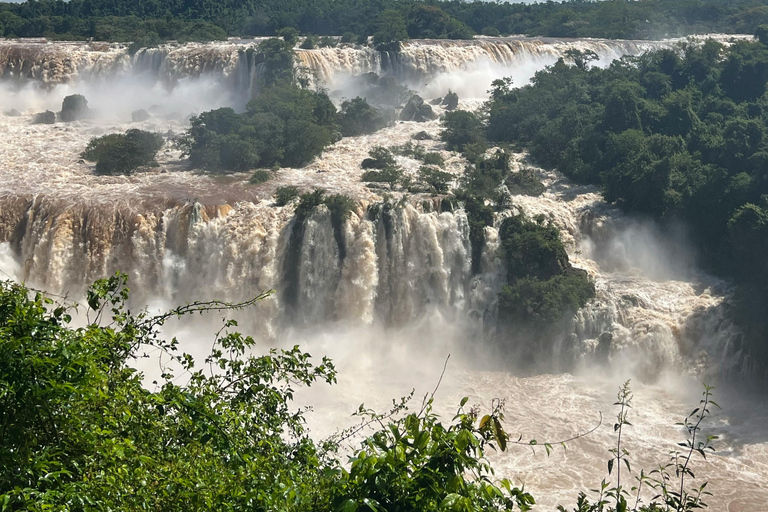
(392, 295)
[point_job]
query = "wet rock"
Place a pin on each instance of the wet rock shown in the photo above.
(436, 101)
(422, 135)
(137, 116)
(74, 108)
(46, 117)
(12, 113)
(451, 101)
(417, 110)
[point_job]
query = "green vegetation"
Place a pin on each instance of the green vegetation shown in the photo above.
(463, 131)
(148, 22)
(670, 134)
(80, 431)
(542, 288)
(260, 176)
(438, 180)
(285, 125)
(524, 182)
(285, 195)
(357, 117)
(123, 153)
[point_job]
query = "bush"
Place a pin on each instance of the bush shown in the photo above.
(285, 195)
(328, 42)
(409, 149)
(438, 180)
(542, 287)
(74, 108)
(462, 129)
(433, 159)
(391, 175)
(309, 43)
(260, 176)
(348, 37)
(284, 125)
(380, 158)
(525, 182)
(357, 117)
(119, 153)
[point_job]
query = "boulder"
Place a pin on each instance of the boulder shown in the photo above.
(417, 110)
(451, 101)
(422, 135)
(46, 117)
(12, 113)
(74, 108)
(137, 116)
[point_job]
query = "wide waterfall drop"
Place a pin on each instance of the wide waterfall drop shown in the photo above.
(390, 292)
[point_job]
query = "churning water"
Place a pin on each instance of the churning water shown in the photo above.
(402, 296)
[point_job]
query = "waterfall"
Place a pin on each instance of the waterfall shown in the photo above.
(234, 62)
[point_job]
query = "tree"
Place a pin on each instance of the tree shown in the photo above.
(118, 153)
(462, 129)
(357, 117)
(390, 30)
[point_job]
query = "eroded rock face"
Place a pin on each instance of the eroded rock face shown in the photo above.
(417, 110)
(47, 117)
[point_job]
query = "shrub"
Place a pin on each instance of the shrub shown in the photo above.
(542, 287)
(285, 195)
(462, 129)
(309, 43)
(391, 175)
(260, 176)
(119, 153)
(380, 158)
(328, 42)
(357, 117)
(435, 178)
(433, 159)
(525, 182)
(348, 37)
(284, 125)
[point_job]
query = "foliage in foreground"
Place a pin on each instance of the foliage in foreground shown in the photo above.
(123, 153)
(79, 431)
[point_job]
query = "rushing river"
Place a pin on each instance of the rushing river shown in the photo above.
(403, 295)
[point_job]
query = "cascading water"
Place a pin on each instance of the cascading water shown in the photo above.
(395, 292)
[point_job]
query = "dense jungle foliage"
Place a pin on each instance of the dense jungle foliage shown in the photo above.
(675, 134)
(123, 153)
(79, 431)
(286, 124)
(153, 21)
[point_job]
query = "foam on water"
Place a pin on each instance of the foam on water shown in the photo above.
(403, 297)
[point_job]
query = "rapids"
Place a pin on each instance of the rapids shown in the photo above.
(400, 296)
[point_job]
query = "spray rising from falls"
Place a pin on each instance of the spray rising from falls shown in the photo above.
(426, 66)
(387, 292)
